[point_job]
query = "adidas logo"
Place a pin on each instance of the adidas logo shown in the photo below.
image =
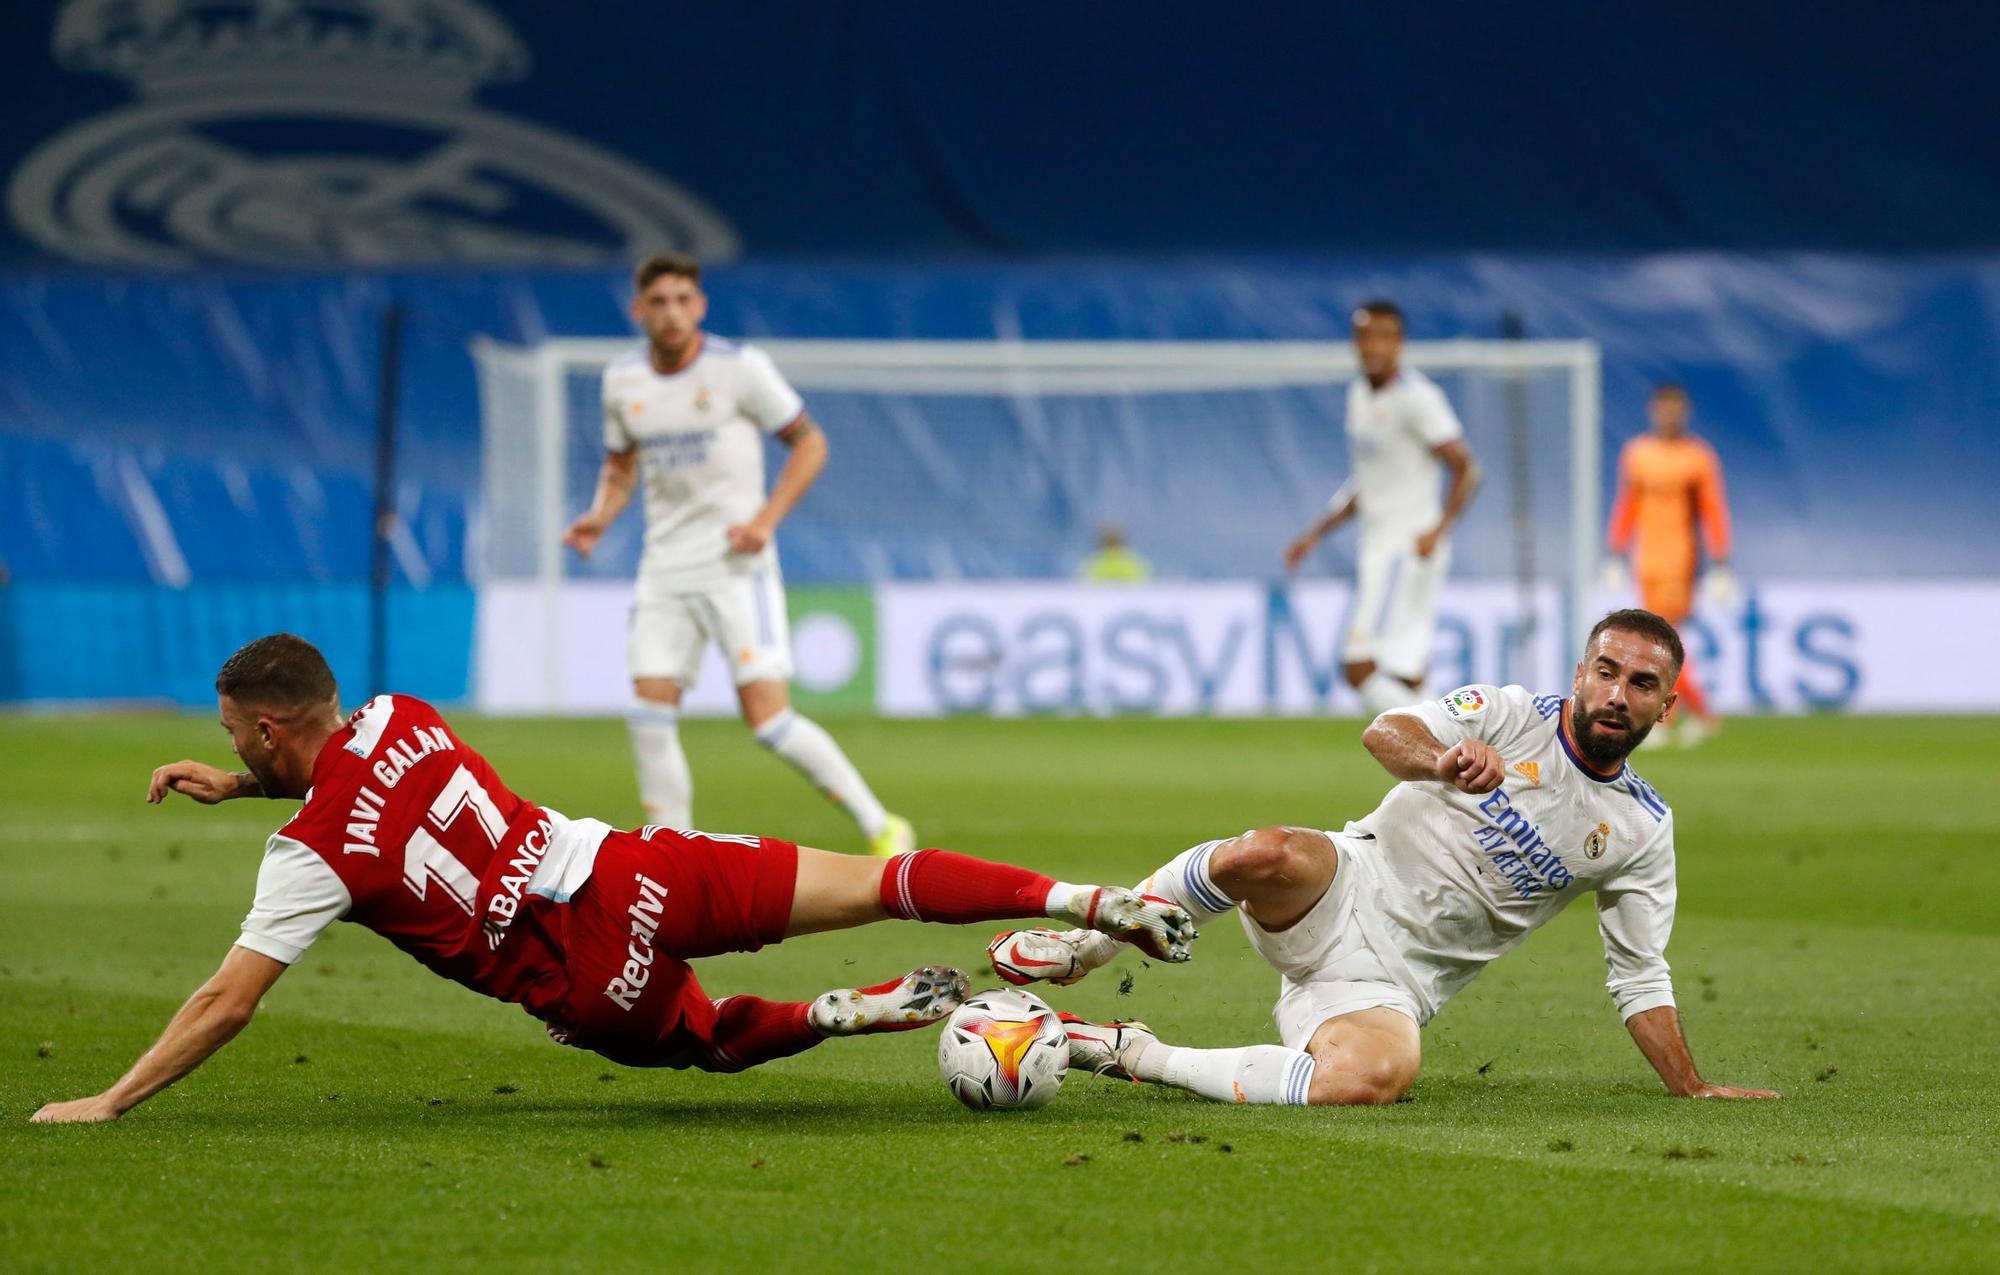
(1530, 771)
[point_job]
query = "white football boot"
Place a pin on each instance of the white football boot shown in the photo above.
(1160, 928)
(918, 998)
(1106, 1049)
(1061, 957)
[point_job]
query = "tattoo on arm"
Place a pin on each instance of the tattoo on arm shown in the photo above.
(247, 785)
(621, 477)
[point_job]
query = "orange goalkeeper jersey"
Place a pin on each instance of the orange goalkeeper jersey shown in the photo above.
(1666, 486)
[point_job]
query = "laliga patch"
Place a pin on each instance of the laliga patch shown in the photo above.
(1464, 702)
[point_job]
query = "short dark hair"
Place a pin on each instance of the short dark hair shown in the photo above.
(1380, 308)
(1670, 389)
(279, 671)
(665, 263)
(1646, 625)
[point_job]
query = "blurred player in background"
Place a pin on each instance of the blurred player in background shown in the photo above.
(408, 832)
(688, 413)
(1116, 561)
(1668, 481)
(1401, 432)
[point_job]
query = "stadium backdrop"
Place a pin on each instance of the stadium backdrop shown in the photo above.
(188, 408)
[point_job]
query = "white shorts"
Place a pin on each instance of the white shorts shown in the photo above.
(1328, 967)
(744, 615)
(1395, 605)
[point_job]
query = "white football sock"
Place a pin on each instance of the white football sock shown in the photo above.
(1184, 879)
(1381, 693)
(804, 743)
(1267, 1074)
(1068, 902)
(665, 786)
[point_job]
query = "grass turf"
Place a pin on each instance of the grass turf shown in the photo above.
(1837, 940)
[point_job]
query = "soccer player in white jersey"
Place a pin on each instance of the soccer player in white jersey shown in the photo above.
(1401, 432)
(687, 414)
(1511, 805)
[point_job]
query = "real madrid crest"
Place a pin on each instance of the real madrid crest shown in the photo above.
(329, 133)
(1594, 844)
(701, 398)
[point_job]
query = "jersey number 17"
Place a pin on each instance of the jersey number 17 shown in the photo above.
(425, 858)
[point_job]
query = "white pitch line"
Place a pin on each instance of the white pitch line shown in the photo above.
(29, 834)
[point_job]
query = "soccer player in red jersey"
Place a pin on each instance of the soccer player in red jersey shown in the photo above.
(407, 831)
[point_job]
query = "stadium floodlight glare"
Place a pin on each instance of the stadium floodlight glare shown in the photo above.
(1533, 412)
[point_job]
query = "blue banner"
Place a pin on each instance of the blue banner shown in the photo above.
(504, 133)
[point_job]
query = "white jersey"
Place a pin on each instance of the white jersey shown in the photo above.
(700, 437)
(1391, 433)
(1462, 879)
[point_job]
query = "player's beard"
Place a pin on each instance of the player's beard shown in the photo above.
(266, 775)
(1597, 750)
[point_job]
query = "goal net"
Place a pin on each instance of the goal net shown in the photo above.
(999, 459)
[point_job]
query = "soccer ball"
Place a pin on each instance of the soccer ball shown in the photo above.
(1003, 1050)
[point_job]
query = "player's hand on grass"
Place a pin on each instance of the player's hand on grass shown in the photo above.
(747, 537)
(206, 784)
(1428, 542)
(1471, 766)
(584, 533)
(94, 1110)
(1707, 1090)
(1299, 550)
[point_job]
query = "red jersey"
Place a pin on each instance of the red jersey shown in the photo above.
(410, 833)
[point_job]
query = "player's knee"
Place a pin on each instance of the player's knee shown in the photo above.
(1268, 856)
(657, 690)
(1370, 1083)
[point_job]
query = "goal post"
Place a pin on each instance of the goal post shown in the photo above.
(922, 403)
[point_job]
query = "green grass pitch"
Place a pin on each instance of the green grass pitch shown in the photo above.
(1839, 939)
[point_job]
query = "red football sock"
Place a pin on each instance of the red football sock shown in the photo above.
(1690, 692)
(749, 1031)
(953, 889)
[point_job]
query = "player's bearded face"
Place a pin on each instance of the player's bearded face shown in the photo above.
(1623, 688)
(248, 741)
(671, 310)
(1606, 734)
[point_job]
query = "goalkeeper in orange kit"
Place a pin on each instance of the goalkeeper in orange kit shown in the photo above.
(1668, 481)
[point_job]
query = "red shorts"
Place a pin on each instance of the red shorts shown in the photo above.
(653, 903)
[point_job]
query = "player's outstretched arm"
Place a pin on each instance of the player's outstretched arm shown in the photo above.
(1407, 749)
(210, 1019)
(206, 784)
(1657, 1032)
